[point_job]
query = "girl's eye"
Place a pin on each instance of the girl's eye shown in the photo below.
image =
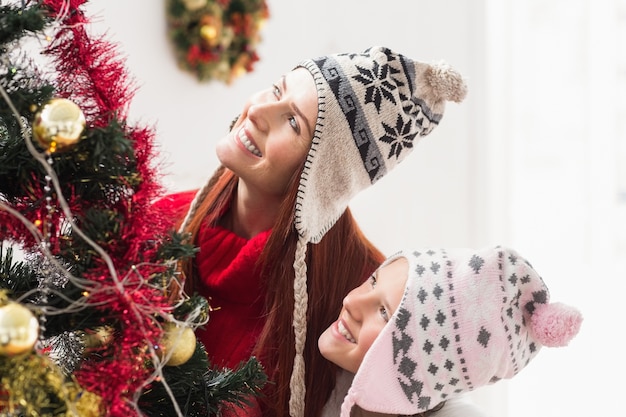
(373, 281)
(276, 91)
(383, 313)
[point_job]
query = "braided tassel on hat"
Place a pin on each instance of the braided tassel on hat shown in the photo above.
(301, 301)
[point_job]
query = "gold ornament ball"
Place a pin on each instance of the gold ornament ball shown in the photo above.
(58, 125)
(178, 344)
(19, 329)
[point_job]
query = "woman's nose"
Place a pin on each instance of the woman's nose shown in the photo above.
(261, 114)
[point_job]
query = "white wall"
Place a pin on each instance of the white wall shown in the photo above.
(559, 109)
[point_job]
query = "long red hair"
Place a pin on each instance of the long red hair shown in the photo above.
(337, 264)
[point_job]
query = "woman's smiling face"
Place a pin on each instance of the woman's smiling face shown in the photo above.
(366, 310)
(273, 134)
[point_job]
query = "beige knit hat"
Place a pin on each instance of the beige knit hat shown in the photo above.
(373, 107)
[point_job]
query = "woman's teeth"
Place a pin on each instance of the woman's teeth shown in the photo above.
(243, 138)
(345, 333)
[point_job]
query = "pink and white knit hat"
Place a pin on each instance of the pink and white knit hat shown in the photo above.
(468, 318)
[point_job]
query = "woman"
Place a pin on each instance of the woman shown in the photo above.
(432, 324)
(277, 243)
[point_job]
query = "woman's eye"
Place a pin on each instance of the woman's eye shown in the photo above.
(294, 124)
(292, 120)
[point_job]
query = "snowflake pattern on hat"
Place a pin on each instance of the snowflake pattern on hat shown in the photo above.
(383, 82)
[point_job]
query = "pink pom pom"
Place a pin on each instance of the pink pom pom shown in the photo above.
(555, 324)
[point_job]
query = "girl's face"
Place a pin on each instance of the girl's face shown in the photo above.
(273, 134)
(366, 310)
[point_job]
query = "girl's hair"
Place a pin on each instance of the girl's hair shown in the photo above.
(342, 260)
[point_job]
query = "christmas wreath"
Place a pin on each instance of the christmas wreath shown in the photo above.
(216, 39)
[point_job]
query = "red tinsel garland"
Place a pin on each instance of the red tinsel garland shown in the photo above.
(90, 75)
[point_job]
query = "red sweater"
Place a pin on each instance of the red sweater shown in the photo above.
(230, 281)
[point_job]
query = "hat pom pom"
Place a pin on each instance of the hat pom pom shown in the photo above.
(446, 83)
(555, 324)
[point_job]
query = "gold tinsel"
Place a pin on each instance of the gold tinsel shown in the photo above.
(33, 386)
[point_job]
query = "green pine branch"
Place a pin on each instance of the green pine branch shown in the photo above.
(17, 21)
(201, 393)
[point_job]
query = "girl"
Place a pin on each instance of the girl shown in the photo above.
(430, 325)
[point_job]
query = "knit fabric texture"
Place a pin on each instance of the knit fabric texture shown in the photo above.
(231, 280)
(468, 318)
(373, 108)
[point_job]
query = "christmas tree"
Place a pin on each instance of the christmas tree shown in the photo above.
(92, 321)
